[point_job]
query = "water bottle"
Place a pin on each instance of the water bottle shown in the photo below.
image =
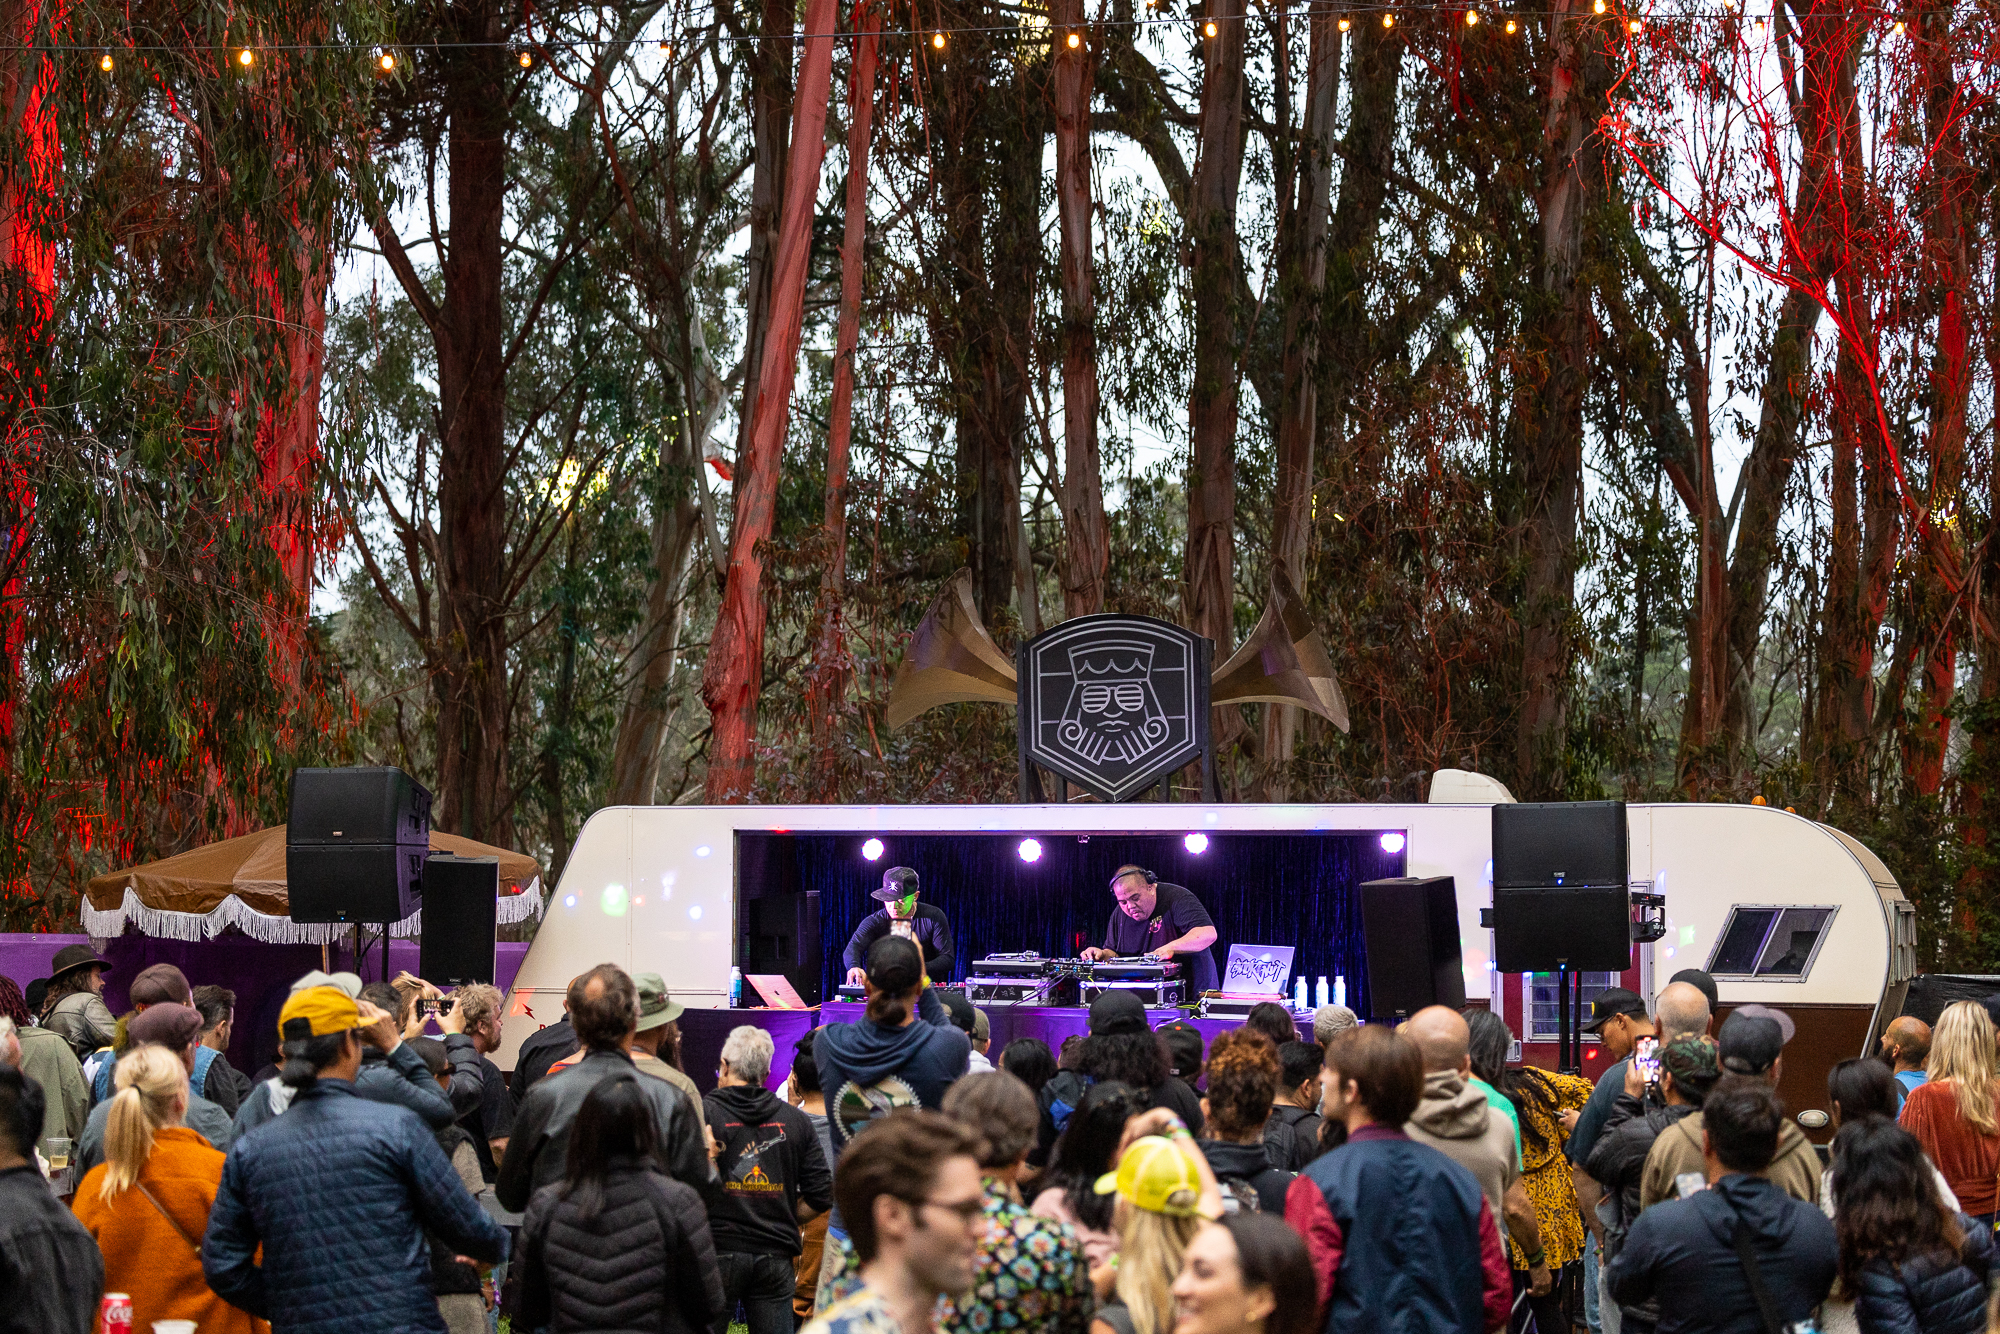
(1339, 990)
(1321, 992)
(1299, 993)
(735, 988)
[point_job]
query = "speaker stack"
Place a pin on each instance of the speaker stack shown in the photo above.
(1409, 928)
(355, 845)
(1560, 898)
(461, 900)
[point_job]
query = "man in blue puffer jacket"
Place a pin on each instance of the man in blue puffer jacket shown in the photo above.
(339, 1192)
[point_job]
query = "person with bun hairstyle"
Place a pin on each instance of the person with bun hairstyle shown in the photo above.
(147, 1203)
(321, 1220)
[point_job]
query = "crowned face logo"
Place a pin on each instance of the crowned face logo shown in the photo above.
(1112, 702)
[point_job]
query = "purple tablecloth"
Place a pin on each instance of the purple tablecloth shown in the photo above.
(1053, 1023)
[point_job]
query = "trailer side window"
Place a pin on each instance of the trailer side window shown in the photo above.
(1769, 941)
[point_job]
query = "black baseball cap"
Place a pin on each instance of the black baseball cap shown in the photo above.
(1702, 982)
(895, 965)
(1116, 1012)
(1612, 1002)
(1749, 1044)
(897, 881)
(962, 1014)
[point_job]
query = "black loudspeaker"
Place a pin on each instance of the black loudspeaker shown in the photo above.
(355, 844)
(461, 896)
(340, 807)
(1410, 928)
(374, 882)
(1539, 930)
(1569, 843)
(781, 935)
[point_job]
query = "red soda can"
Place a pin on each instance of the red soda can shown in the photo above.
(114, 1315)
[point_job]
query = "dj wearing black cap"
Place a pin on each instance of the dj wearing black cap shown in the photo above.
(901, 915)
(1163, 920)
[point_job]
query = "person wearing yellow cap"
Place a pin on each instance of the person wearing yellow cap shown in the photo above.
(1165, 1190)
(341, 1194)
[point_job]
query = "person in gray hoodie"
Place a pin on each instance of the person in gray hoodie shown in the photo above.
(904, 1052)
(1455, 1119)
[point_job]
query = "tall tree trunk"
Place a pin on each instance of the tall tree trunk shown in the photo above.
(1367, 152)
(770, 153)
(1550, 416)
(1301, 284)
(472, 340)
(1087, 543)
(1211, 483)
(733, 677)
(826, 690)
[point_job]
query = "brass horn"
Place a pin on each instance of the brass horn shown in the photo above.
(951, 659)
(1284, 661)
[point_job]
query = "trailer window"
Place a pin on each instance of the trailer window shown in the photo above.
(1770, 942)
(1542, 1001)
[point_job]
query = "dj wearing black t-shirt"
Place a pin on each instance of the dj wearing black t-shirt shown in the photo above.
(1164, 920)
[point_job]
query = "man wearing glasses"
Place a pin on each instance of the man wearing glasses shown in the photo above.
(901, 915)
(1164, 920)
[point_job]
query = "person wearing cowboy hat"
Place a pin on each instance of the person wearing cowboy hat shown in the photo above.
(76, 1000)
(901, 915)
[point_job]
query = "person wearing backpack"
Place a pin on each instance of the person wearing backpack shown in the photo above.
(1243, 1074)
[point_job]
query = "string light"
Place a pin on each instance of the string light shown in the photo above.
(1760, 25)
(1388, 20)
(1898, 29)
(387, 62)
(526, 59)
(937, 40)
(105, 63)
(1512, 27)
(1208, 29)
(1599, 6)
(246, 58)
(1075, 40)
(1344, 25)
(1471, 18)
(1634, 25)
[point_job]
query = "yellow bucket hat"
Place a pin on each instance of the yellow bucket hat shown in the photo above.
(316, 1012)
(1155, 1175)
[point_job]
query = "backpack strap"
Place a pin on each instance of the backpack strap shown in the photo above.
(1746, 1255)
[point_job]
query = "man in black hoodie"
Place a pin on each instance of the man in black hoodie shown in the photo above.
(774, 1177)
(1715, 1257)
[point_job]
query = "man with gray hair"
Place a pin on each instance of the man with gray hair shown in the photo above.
(774, 1177)
(1330, 1021)
(1680, 1012)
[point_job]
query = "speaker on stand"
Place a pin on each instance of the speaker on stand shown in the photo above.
(1409, 929)
(461, 900)
(355, 845)
(1560, 901)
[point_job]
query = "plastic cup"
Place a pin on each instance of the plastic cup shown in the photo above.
(173, 1327)
(57, 1150)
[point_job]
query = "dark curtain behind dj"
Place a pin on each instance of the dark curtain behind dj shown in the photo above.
(1262, 889)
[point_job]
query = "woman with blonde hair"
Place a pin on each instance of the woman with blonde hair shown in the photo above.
(1165, 1191)
(1955, 1116)
(147, 1203)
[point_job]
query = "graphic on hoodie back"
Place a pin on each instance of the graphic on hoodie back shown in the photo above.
(855, 1104)
(747, 1175)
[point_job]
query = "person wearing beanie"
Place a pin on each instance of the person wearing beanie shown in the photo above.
(177, 1028)
(322, 1218)
(1122, 1046)
(1752, 1043)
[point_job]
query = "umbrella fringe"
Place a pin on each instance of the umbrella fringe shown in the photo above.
(106, 924)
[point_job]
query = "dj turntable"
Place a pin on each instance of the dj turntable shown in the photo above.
(1010, 979)
(1154, 981)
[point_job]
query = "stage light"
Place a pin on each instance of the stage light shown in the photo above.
(1392, 843)
(1196, 843)
(872, 849)
(1030, 850)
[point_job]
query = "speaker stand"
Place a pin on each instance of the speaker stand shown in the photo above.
(1569, 1017)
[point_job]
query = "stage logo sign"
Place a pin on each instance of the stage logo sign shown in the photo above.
(1114, 703)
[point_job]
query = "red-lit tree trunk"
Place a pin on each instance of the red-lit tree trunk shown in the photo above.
(1301, 285)
(770, 153)
(1549, 412)
(1211, 482)
(733, 677)
(1087, 547)
(826, 690)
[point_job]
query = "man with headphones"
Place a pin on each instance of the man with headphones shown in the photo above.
(901, 915)
(1164, 920)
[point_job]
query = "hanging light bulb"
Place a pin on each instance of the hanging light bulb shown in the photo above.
(1344, 25)
(1075, 40)
(105, 62)
(1388, 20)
(1760, 25)
(387, 62)
(1208, 28)
(937, 40)
(246, 58)
(526, 59)
(1512, 27)
(1471, 18)
(1634, 25)
(1898, 29)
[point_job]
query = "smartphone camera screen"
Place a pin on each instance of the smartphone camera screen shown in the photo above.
(1646, 1057)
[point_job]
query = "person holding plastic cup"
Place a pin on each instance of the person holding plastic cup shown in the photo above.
(147, 1203)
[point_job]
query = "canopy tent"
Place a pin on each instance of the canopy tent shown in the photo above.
(240, 882)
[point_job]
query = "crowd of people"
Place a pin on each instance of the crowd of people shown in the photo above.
(382, 1177)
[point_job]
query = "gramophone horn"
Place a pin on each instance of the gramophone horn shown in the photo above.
(951, 659)
(1284, 661)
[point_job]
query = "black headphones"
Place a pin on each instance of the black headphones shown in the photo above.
(1129, 869)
